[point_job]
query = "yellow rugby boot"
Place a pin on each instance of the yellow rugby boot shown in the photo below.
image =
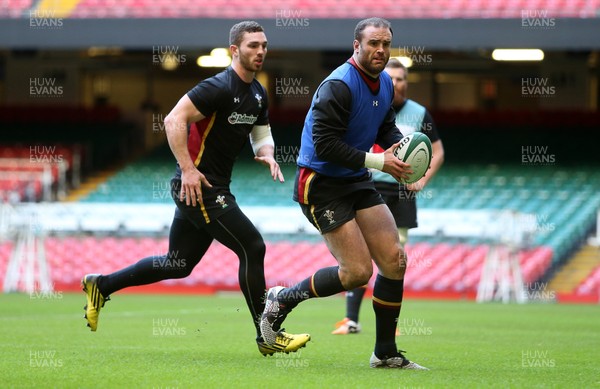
(284, 343)
(95, 300)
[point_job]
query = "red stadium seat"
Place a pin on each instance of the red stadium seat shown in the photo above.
(329, 9)
(440, 267)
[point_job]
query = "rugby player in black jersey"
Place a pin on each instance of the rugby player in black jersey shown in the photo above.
(206, 131)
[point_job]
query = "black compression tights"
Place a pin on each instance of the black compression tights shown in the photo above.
(187, 246)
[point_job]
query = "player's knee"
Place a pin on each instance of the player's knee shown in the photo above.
(400, 261)
(256, 250)
(174, 265)
(181, 273)
(358, 276)
(394, 263)
(364, 277)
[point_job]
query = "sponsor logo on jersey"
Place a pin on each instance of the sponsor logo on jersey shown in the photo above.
(241, 118)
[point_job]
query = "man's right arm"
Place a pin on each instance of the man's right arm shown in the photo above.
(176, 124)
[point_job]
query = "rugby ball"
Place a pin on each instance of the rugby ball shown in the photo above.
(415, 149)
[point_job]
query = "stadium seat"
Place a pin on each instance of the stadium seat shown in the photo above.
(438, 268)
(326, 9)
(563, 202)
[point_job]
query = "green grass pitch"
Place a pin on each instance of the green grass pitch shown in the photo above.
(167, 341)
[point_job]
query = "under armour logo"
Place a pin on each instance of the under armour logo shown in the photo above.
(375, 103)
(236, 99)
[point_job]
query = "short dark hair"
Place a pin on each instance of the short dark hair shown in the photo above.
(236, 34)
(375, 22)
(394, 63)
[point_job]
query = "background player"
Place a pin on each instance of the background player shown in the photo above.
(223, 111)
(350, 111)
(410, 117)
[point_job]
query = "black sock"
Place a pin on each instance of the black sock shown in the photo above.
(324, 282)
(387, 301)
(353, 300)
(187, 245)
(145, 271)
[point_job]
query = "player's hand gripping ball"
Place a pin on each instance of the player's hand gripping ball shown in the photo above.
(415, 149)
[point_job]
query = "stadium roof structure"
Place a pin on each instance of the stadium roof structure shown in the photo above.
(318, 34)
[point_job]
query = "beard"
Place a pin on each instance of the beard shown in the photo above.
(248, 64)
(374, 69)
(369, 66)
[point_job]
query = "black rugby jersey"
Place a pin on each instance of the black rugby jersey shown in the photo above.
(231, 108)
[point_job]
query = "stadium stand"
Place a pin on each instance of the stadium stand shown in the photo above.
(443, 269)
(591, 283)
(38, 172)
(85, 138)
(443, 9)
(443, 265)
(145, 181)
(553, 195)
(15, 8)
(561, 198)
(46, 148)
(332, 9)
(579, 273)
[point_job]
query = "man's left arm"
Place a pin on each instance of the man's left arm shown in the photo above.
(263, 146)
